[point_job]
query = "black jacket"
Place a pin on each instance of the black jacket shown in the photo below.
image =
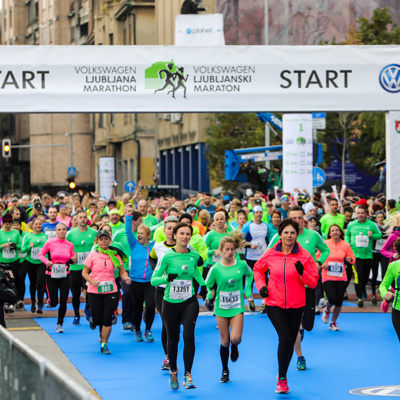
(190, 7)
(251, 172)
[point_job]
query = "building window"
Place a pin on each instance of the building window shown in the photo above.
(112, 118)
(51, 32)
(44, 37)
(111, 39)
(124, 37)
(5, 21)
(84, 29)
(10, 17)
(101, 120)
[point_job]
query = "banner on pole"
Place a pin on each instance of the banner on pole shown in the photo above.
(392, 155)
(106, 175)
(297, 165)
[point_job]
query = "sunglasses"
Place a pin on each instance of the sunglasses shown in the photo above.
(269, 205)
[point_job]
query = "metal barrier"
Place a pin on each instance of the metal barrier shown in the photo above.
(25, 375)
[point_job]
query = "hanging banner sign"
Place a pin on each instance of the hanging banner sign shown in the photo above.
(106, 175)
(297, 166)
(201, 79)
(392, 176)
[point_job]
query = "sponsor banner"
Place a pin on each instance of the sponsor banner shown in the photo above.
(381, 391)
(199, 30)
(392, 154)
(204, 79)
(297, 168)
(106, 175)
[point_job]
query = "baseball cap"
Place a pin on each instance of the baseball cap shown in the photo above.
(112, 202)
(362, 202)
(7, 217)
(38, 206)
(257, 208)
(191, 208)
(14, 198)
(103, 233)
(115, 211)
(25, 197)
(284, 198)
(257, 201)
(310, 217)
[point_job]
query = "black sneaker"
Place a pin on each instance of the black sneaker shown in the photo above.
(263, 309)
(40, 309)
(225, 377)
(373, 299)
(234, 353)
(92, 325)
(252, 306)
(360, 303)
(33, 307)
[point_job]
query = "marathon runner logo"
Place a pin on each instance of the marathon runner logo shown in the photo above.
(165, 76)
(301, 140)
(389, 78)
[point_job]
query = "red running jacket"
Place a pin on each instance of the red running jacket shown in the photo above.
(285, 285)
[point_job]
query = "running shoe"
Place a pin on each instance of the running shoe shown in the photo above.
(59, 328)
(83, 294)
(234, 352)
(165, 364)
(384, 306)
(11, 308)
(40, 309)
(346, 296)
(373, 299)
(364, 294)
(325, 316)
(19, 305)
(33, 307)
(114, 319)
(252, 306)
(148, 336)
(173, 380)
(360, 303)
(188, 381)
(138, 336)
(104, 349)
(88, 314)
(48, 305)
(76, 320)
(224, 377)
(301, 330)
(301, 364)
(91, 324)
(282, 386)
(333, 326)
(263, 309)
(127, 326)
(322, 302)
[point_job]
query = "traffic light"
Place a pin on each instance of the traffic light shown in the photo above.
(71, 183)
(6, 148)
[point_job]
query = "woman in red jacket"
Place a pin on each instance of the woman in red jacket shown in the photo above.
(290, 268)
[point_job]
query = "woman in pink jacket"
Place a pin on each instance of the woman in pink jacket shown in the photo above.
(388, 249)
(290, 268)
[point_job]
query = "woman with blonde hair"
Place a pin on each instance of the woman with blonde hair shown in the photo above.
(228, 275)
(388, 249)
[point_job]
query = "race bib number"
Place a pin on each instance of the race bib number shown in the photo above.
(362, 241)
(51, 234)
(229, 300)
(8, 253)
(81, 257)
(59, 271)
(216, 259)
(35, 253)
(21, 255)
(180, 290)
(261, 248)
(379, 244)
(105, 287)
(335, 269)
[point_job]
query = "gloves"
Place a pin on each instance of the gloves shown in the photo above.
(299, 267)
(209, 304)
(264, 292)
(203, 292)
(171, 277)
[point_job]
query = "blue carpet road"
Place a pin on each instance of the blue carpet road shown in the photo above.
(361, 355)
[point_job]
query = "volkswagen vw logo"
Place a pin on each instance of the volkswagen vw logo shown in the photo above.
(381, 391)
(389, 78)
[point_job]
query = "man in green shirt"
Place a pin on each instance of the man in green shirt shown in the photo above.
(331, 218)
(360, 234)
(82, 237)
(147, 219)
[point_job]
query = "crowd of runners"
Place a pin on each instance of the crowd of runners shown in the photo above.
(301, 253)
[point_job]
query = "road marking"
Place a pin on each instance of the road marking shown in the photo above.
(28, 328)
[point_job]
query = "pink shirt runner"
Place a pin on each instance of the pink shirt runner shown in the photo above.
(101, 270)
(61, 251)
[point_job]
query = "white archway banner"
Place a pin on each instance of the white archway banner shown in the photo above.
(392, 155)
(199, 79)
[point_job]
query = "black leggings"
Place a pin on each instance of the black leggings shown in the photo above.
(53, 285)
(36, 273)
(143, 292)
(363, 267)
(102, 307)
(335, 292)
(77, 283)
(286, 323)
(396, 321)
(8, 294)
(127, 311)
(159, 300)
(22, 270)
(14, 268)
(309, 310)
(173, 315)
(376, 259)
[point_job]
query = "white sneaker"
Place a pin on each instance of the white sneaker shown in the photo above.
(333, 327)
(325, 316)
(59, 328)
(11, 309)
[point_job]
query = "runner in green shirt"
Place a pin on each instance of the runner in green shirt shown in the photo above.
(22, 268)
(82, 237)
(332, 218)
(228, 276)
(360, 234)
(31, 245)
(180, 306)
(147, 219)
